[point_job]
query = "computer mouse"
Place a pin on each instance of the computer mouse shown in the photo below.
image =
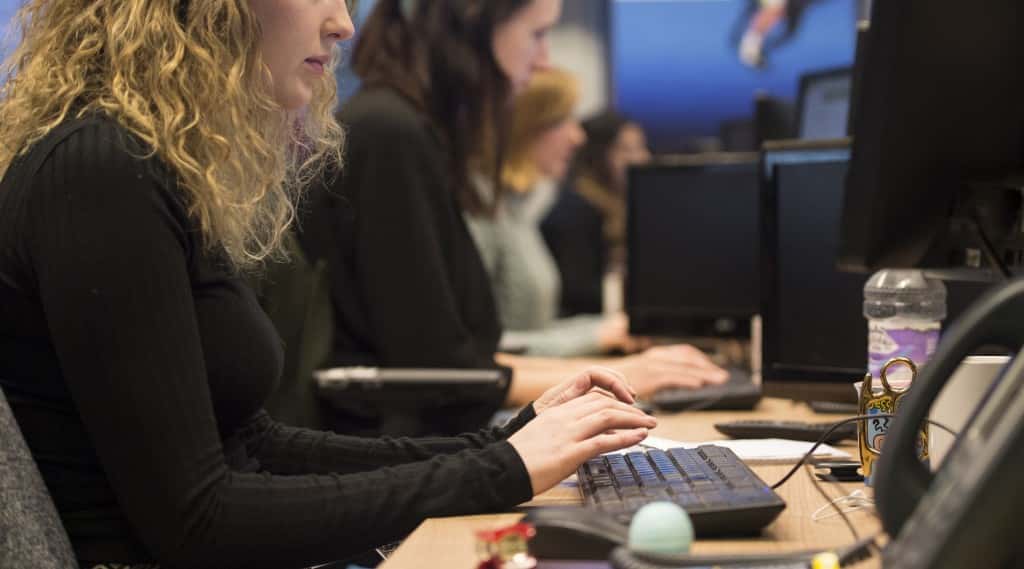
(574, 533)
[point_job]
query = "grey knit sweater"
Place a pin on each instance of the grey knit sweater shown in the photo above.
(525, 278)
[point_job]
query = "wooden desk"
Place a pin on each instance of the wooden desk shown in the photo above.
(449, 542)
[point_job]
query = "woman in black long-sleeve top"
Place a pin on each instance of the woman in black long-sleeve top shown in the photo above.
(136, 184)
(408, 285)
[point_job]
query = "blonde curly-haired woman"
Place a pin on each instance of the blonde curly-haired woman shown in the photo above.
(150, 151)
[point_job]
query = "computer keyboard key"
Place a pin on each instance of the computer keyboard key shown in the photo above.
(666, 468)
(688, 501)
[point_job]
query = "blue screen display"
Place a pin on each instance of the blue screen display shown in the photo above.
(682, 67)
(8, 40)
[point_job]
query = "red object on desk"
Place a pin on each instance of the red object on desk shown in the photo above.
(506, 548)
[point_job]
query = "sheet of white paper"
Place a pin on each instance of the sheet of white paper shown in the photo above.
(752, 450)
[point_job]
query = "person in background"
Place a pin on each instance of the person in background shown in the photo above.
(408, 285)
(132, 196)
(759, 21)
(586, 229)
(542, 141)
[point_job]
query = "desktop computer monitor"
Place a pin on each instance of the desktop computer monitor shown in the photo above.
(812, 326)
(773, 118)
(738, 135)
(938, 133)
(692, 246)
(823, 104)
(814, 334)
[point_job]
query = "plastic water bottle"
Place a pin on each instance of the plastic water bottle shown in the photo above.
(905, 312)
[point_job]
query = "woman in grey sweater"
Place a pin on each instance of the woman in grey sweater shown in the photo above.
(543, 138)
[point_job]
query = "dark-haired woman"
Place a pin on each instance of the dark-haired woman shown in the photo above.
(586, 228)
(408, 284)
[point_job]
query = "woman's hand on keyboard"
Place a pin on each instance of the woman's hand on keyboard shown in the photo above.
(613, 335)
(670, 366)
(555, 443)
(606, 379)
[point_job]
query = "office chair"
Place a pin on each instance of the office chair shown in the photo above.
(31, 533)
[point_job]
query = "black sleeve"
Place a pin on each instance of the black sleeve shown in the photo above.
(110, 253)
(406, 218)
(282, 449)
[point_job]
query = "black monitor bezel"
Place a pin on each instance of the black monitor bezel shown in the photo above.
(698, 321)
(774, 154)
(932, 115)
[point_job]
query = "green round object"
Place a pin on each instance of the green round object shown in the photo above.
(661, 527)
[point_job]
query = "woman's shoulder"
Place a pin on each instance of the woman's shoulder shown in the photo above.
(95, 156)
(94, 132)
(97, 144)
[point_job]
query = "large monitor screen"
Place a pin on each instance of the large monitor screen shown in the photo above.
(814, 327)
(683, 67)
(824, 105)
(692, 249)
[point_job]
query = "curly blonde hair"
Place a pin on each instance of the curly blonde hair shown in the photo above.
(188, 80)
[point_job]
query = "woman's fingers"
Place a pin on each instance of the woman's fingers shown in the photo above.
(659, 381)
(595, 401)
(681, 353)
(609, 442)
(612, 419)
(686, 373)
(613, 381)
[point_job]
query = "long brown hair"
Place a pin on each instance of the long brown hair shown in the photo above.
(187, 79)
(602, 131)
(438, 54)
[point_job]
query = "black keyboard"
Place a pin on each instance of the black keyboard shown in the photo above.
(737, 393)
(721, 494)
(792, 430)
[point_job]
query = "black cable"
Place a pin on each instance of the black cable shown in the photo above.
(869, 543)
(861, 549)
(990, 250)
(623, 558)
(832, 429)
(832, 502)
